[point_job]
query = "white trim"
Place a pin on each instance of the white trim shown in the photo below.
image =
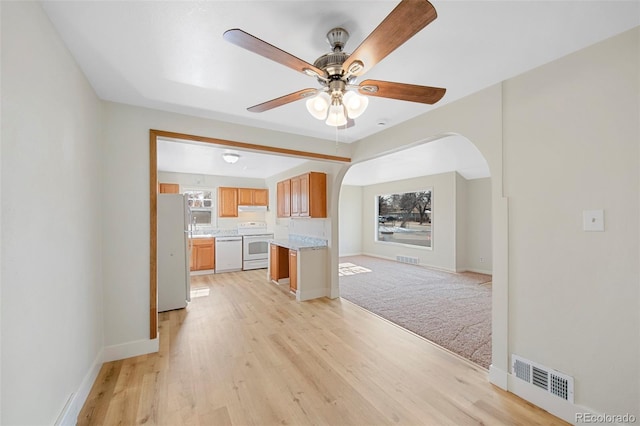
(438, 268)
(477, 271)
(498, 377)
(350, 254)
(557, 406)
(130, 349)
(202, 272)
(71, 411)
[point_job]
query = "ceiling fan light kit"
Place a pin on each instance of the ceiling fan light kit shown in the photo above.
(318, 105)
(340, 98)
(336, 116)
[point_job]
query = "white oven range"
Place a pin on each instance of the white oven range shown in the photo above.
(255, 244)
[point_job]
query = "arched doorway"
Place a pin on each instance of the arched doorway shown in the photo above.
(378, 220)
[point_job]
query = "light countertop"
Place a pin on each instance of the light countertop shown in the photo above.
(297, 242)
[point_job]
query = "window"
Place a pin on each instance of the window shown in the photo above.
(405, 218)
(201, 203)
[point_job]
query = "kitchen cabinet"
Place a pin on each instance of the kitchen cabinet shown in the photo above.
(300, 266)
(278, 262)
(295, 196)
(253, 197)
(293, 271)
(202, 254)
(283, 195)
(309, 195)
(169, 188)
(227, 202)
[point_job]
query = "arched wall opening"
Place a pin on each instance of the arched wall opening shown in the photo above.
(454, 237)
(479, 119)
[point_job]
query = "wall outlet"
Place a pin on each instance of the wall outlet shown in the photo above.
(482, 260)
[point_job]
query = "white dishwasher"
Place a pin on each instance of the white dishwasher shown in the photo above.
(228, 254)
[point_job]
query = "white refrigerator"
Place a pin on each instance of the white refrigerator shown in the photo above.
(173, 252)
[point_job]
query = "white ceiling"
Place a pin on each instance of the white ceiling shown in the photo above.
(439, 156)
(170, 55)
(204, 159)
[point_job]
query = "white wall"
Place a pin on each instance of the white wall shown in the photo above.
(461, 222)
(479, 248)
(351, 220)
(461, 229)
(571, 131)
(52, 318)
(443, 253)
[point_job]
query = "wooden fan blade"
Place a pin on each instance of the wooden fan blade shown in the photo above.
(407, 19)
(283, 100)
(401, 91)
(255, 45)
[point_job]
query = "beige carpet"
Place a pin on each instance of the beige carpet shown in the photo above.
(451, 310)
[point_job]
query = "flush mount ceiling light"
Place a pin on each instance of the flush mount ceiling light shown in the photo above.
(340, 99)
(230, 157)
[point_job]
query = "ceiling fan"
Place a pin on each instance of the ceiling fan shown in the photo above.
(339, 97)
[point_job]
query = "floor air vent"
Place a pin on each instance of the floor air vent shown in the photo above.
(407, 259)
(552, 381)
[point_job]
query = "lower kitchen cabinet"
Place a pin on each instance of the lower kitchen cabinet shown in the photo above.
(302, 269)
(278, 262)
(202, 254)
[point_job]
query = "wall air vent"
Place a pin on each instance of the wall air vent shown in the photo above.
(550, 380)
(407, 259)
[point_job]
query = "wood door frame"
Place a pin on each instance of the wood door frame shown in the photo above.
(153, 197)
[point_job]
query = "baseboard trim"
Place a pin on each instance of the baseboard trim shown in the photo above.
(71, 411)
(479, 271)
(130, 349)
(425, 265)
(311, 294)
(498, 377)
(349, 254)
(202, 272)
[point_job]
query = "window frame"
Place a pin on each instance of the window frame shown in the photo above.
(377, 223)
(211, 209)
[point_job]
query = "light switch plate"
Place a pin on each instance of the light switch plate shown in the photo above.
(593, 220)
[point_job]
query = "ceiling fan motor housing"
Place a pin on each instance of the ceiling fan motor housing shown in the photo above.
(337, 38)
(332, 62)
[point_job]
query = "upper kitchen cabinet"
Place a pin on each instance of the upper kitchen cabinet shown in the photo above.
(227, 202)
(283, 194)
(169, 188)
(308, 196)
(253, 197)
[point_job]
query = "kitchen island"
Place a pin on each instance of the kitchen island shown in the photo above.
(301, 263)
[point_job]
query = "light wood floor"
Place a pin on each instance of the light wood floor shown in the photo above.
(246, 353)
